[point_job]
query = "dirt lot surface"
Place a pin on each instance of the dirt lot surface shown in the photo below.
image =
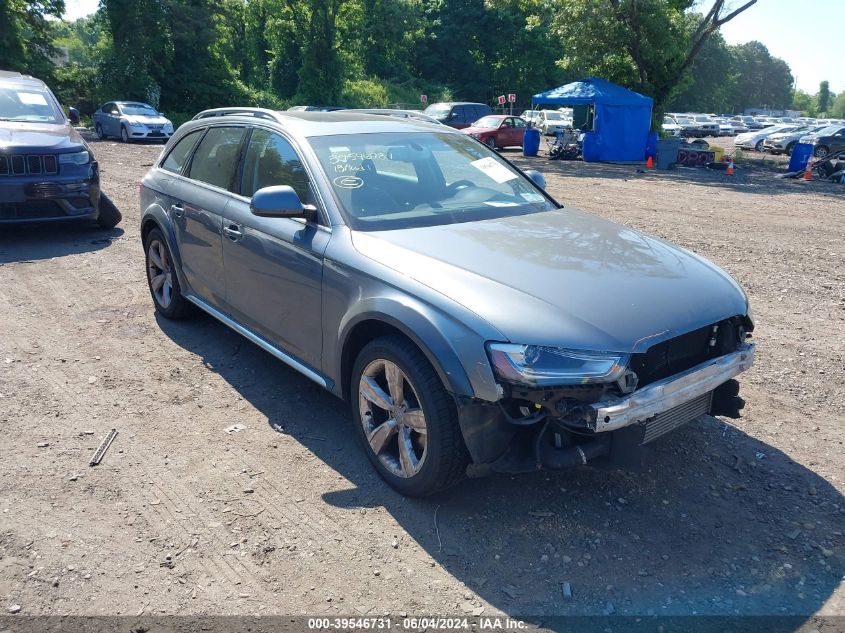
(733, 516)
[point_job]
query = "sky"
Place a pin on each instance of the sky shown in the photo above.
(804, 33)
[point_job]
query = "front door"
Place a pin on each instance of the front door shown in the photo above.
(274, 266)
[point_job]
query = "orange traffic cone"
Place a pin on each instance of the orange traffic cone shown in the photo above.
(808, 170)
(650, 162)
(730, 170)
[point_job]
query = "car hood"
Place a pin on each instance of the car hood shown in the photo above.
(478, 130)
(25, 136)
(146, 120)
(563, 278)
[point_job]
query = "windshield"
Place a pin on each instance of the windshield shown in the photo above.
(553, 116)
(400, 180)
(25, 103)
(830, 130)
(438, 110)
(138, 109)
(488, 121)
(683, 121)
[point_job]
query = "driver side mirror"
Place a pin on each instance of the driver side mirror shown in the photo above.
(73, 116)
(536, 177)
(281, 202)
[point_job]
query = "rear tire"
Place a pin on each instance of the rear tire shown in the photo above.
(162, 278)
(438, 457)
(110, 215)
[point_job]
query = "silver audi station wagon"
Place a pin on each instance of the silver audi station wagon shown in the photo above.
(473, 323)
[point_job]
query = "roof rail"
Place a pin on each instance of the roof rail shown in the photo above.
(257, 113)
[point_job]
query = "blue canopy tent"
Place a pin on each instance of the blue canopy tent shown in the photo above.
(622, 117)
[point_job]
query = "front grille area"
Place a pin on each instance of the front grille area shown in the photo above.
(28, 165)
(31, 210)
(663, 423)
(688, 350)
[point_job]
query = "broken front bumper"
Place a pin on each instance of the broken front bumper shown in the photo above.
(666, 394)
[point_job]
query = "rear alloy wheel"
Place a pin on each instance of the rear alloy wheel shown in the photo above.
(490, 142)
(406, 419)
(162, 278)
(821, 151)
(124, 134)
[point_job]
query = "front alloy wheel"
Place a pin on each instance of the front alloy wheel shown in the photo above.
(393, 420)
(407, 421)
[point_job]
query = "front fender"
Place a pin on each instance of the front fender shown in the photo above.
(456, 353)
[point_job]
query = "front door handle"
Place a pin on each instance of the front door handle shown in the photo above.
(233, 232)
(177, 210)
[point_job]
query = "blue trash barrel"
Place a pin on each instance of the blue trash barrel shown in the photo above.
(801, 153)
(651, 145)
(531, 141)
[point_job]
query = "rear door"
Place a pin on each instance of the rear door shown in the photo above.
(198, 202)
(274, 266)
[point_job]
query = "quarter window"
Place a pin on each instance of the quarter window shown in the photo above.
(271, 161)
(216, 158)
(179, 154)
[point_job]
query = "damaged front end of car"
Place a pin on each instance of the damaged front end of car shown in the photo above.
(561, 408)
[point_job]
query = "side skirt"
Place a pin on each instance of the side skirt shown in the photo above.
(263, 343)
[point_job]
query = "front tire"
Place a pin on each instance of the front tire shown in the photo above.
(821, 151)
(99, 130)
(109, 215)
(405, 418)
(124, 134)
(162, 279)
(490, 142)
(789, 149)
(759, 146)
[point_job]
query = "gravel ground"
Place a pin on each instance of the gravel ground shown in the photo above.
(287, 517)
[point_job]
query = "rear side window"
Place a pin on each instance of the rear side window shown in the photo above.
(216, 158)
(179, 154)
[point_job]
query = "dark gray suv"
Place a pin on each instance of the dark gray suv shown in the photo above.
(473, 323)
(47, 171)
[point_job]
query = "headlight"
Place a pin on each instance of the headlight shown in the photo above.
(77, 158)
(542, 366)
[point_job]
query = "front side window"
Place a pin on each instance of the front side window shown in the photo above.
(270, 161)
(389, 181)
(216, 158)
(28, 103)
(178, 156)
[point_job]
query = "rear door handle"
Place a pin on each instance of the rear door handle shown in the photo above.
(233, 232)
(177, 210)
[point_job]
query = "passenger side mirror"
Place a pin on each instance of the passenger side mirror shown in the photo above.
(73, 116)
(280, 202)
(537, 178)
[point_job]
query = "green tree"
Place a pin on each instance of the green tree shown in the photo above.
(762, 80)
(837, 110)
(648, 45)
(26, 37)
(824, 97)
(712, 80)
(804, 102)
